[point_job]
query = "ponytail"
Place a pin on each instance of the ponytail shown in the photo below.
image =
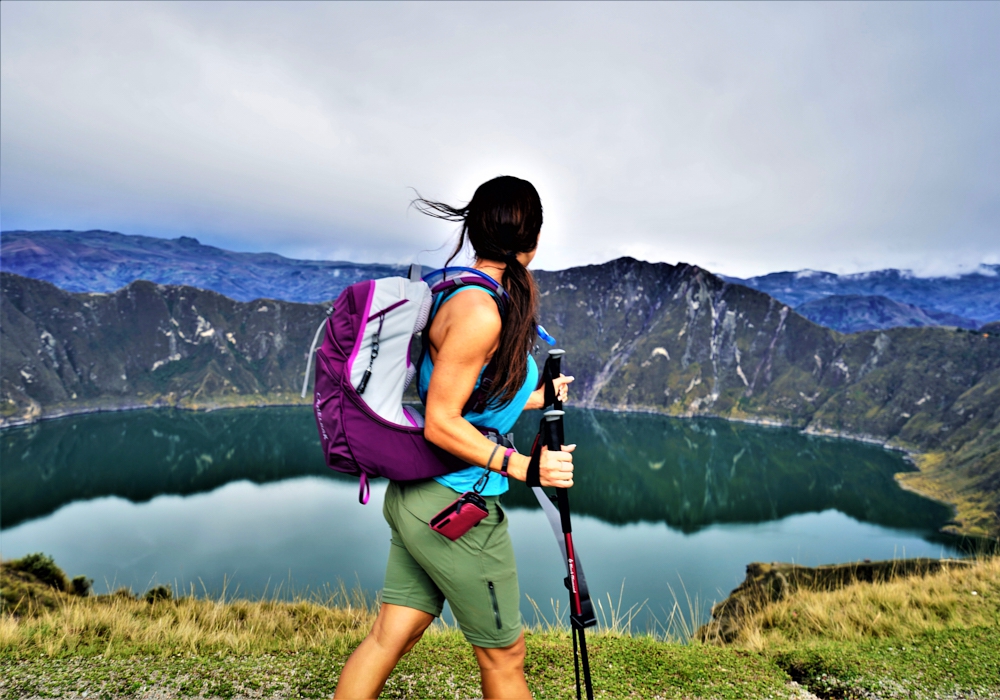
(517, 335)
(503, 219)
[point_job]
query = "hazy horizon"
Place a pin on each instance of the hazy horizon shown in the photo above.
(985, 269)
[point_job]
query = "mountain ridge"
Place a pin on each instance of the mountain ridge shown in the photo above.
(681, 341)
(974, 295)
(106, 261)
(852, 313)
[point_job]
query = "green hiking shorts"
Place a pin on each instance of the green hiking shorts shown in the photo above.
(476, 574)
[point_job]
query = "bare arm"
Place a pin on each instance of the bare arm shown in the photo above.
(463, 336)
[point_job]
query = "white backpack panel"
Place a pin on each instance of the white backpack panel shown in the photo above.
(391, 369)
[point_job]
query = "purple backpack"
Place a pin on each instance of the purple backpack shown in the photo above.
(364, 366)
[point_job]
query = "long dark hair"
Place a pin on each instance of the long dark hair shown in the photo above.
(503, 219)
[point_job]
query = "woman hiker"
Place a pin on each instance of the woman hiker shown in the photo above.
(476, 573)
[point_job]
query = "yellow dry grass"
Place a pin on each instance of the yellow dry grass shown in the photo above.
(953, 598)
(975, 509)
(189, 625)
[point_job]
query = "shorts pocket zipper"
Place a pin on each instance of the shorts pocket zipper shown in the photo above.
(496, 607)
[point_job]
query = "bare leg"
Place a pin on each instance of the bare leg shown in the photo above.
(396, 630)
(502, 671)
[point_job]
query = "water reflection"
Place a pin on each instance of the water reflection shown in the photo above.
(142, 454)
(630, 467)
(692, 473)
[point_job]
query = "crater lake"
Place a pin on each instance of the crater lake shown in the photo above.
(239, 502)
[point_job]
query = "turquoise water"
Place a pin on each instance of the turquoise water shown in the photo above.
(241, 500)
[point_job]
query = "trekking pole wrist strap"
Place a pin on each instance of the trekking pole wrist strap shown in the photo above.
(492, 455)
(549, 390)
(533, 476)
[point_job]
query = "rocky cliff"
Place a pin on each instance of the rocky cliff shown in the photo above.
(145, 345)
(681, 340)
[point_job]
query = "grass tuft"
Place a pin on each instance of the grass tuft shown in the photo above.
(962, 598)
(158, 623)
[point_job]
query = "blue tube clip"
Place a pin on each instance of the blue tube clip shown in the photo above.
(543, 334)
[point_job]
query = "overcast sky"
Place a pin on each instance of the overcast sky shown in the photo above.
(746, 138)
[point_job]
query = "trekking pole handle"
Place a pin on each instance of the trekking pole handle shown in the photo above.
(553, 368)
(552, 419)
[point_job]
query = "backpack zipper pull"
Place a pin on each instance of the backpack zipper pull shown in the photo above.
(371, 362)
(364, 381)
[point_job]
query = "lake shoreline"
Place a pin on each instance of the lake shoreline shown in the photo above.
(257, 403)
(292, 399)
(254, 401)
(763, 423)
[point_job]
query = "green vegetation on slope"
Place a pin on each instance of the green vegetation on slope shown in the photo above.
(967, 478)
(441, 665)
(145, 345)
(952, 663)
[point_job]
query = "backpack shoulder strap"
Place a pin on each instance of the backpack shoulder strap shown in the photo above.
(449, 279)
(444, 284)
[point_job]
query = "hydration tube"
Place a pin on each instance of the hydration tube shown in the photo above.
(312, 351)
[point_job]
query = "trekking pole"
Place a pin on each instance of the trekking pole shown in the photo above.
(579, 620)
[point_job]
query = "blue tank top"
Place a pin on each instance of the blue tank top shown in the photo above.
(500, 418)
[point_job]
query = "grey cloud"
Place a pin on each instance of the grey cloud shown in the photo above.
(743, 137)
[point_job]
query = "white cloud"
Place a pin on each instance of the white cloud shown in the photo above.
(743, 137)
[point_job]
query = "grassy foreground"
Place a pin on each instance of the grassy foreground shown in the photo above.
(926, 637)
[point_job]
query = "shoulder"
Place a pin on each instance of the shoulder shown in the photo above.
(468, 322)
(472, 307)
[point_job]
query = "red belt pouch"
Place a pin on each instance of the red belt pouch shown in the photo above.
(459, 517)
